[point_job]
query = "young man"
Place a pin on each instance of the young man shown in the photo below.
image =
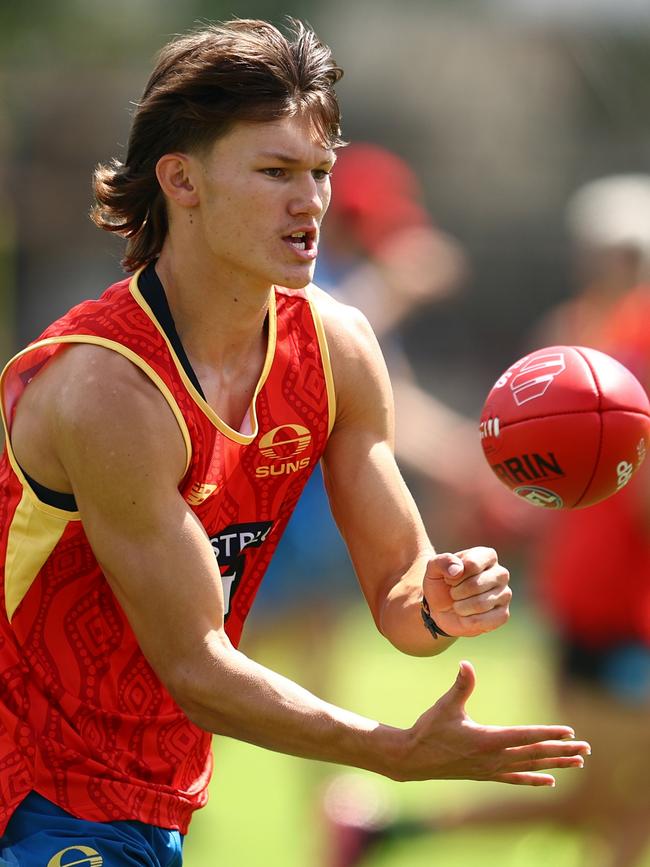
(178, 418)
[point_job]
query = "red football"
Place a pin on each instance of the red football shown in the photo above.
(566, 427)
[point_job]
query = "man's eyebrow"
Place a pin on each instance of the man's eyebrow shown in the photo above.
(288, 160)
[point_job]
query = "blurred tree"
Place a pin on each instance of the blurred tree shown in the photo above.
(501, 117)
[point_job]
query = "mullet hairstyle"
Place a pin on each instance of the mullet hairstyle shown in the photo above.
(204, 83)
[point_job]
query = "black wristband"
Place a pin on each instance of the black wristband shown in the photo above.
(429, 622)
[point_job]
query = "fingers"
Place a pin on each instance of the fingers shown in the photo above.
(546, 753)
(525, 766)
(448, 567)
(530, 775)
(493, 578)
(521, 736)
(446, 744)
(485, 597)
(478, 624)
(556, 748)
(454, 568)
(468, 575)
(474, 561)
(525, 779)
(466, 678)
(545, 764)
(481, 603)
(461, 689)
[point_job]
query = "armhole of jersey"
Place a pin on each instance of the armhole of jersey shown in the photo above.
(325, 357)
(35, 530)
(54, 511)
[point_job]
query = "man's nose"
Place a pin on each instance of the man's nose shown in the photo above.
(309, 198)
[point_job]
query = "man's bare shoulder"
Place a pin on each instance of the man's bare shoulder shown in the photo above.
(358, 366)
(85, 379)
(346, 327)
(92, 398)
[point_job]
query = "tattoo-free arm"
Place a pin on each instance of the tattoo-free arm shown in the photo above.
(394, 560)
(122, 454)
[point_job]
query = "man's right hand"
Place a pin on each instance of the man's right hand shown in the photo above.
(115, 443)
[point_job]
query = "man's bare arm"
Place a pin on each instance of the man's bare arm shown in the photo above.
(122, 452)
(395, 562)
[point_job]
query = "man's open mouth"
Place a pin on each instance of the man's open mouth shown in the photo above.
(302, 240)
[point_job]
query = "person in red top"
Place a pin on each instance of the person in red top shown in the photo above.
(157, 441)
(590, 571)
(591, 567)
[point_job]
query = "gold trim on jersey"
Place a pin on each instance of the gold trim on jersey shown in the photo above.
(115, 347)
(325, 357)
(37, 527)
(53, 511)
(217, 421)
(33, 535)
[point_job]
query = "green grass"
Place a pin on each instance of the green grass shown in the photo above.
(264, 807)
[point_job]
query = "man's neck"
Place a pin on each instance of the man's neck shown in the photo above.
(219, 317)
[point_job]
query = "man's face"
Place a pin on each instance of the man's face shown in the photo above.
(264, 188)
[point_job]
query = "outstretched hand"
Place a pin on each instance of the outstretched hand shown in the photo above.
(468, 592)
(445, 744)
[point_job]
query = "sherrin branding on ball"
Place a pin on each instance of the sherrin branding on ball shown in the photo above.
(566, 427)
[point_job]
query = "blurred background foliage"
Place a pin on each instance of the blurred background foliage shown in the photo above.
(502, 107)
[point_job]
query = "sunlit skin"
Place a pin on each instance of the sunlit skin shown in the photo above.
(232, 210)
(258, 185)
(91, 423)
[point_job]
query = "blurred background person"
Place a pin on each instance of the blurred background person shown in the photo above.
(590, 574)
(384, 255)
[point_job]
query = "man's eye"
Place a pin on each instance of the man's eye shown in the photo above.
(274, 173)
(321, 174)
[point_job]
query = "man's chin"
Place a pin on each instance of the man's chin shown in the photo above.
(296, 280)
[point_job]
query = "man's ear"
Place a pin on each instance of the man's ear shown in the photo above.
(175, 176)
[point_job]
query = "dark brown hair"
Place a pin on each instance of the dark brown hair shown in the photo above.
(204, 82)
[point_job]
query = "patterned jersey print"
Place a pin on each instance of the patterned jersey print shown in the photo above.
(84, 720)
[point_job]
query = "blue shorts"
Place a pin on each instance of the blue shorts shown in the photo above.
(621, 670)
(40, 834)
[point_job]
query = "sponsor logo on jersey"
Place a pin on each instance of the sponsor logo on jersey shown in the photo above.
(230, 546)
(70, 856)
(540, 497)
(283, 446)
(534, 377)
(528, 468)
(199, 493)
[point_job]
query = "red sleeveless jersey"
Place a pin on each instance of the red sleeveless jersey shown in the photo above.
(84, 720)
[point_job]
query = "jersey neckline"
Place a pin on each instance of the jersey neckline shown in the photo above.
(149, 293)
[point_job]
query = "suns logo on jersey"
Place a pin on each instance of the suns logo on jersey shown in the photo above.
(283, 445)
(285, 441)
(69, 856)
